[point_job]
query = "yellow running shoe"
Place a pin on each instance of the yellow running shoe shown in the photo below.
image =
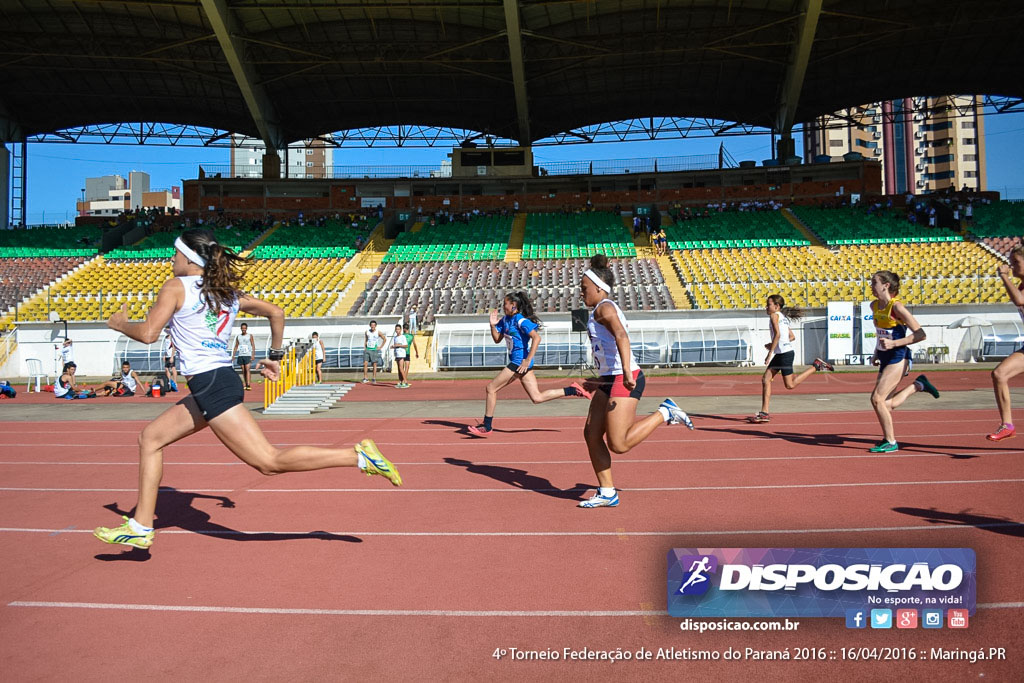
(376, 463)
(124, 535)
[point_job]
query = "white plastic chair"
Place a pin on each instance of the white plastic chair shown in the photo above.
(35, 371)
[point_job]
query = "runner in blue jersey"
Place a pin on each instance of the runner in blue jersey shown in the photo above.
(520, 330)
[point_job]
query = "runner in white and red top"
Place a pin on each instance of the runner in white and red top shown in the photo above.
(200, 302)
(611, 422)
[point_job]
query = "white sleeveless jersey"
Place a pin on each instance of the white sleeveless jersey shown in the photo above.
(200, 335)
(129, 382)
(318, 350)
(245, 344)
(606, 353)
(399, 345)
(783, 344)
(59, 389)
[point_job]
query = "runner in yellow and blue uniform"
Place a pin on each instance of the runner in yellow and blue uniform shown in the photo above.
(892, 355)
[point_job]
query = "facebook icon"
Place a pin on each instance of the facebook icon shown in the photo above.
(856, 618)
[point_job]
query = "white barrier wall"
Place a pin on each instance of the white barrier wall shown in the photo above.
(96, 346)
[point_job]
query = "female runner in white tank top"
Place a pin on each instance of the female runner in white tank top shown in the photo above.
(611, 422)
(781, 353)
(201, 302)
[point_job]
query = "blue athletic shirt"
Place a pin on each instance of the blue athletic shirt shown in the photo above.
(517, 331)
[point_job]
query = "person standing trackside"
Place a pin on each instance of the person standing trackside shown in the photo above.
(371, 353)
(410, 340)
(244, 345)
(318, 354)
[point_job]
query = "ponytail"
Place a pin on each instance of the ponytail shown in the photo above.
(523, 305)
(223, 272)
(794, 313)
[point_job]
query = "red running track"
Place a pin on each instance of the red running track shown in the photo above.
(332, 575)
(675, 385)
(455, 389)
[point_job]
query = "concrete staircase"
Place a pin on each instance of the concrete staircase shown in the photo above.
(675, 285)
(312, 398)
(260, 239)
(642, 242)
(362, 266)
(514, 252)
(804, 230)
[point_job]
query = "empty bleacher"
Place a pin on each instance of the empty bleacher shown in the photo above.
(568, 236)
(932, 273)
(160, 245)
(302, 287)
(731, 229)
(334, 239)
(482, 238)
(50, 241)
(476, 287)
(21, 277)
(843, 226)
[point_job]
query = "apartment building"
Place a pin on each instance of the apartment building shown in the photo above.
(924, 143)
(311, 158)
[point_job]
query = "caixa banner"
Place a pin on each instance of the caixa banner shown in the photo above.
(817, 582)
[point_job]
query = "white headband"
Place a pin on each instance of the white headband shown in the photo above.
(192, 256)
(598, 281)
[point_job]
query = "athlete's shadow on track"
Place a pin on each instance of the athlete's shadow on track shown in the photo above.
(998, 525)
(521, 479)
(829, 439)
(174, 509)
(463, 428)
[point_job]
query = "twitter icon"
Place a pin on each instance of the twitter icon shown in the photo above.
(881, 618)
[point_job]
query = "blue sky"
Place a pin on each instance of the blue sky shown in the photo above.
(57, 172)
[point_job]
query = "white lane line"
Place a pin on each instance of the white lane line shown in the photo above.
(516, 534)
(379, 612)
(538, 422)
(477, 443)
(512, 489)
(619, 461)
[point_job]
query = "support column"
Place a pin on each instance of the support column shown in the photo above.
(5, 186)
(271, 166)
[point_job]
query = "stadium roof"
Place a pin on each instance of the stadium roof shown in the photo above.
(520, 69)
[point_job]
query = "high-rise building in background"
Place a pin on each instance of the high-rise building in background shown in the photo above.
(109, 195)
(924, 143)
(311, 158)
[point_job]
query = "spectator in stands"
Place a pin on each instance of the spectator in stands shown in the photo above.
(245, 345)
(371, 353)
(1012, 365)
(661, 245)
(519, 328)
(319, 353)
(611, 421)
(781, 353)
(412, 321)
(126, 385)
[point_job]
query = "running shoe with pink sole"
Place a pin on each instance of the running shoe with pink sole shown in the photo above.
(479, 431)
(580, 391)
(1004, 432)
